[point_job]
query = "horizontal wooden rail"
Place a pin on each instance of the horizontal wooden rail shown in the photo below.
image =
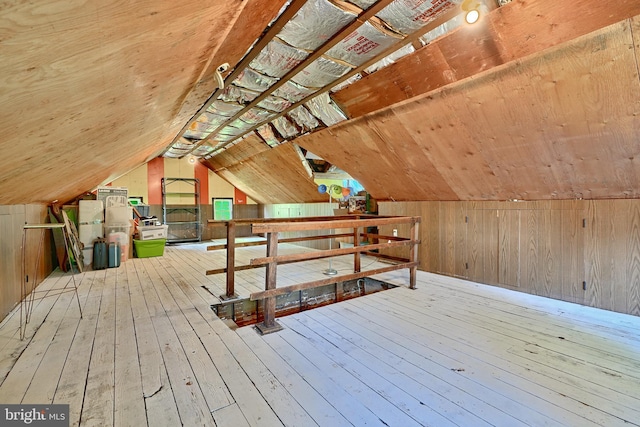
(314, 284)
(281, 227)
(307, 256)
(287, 240)
(241, 268)
(249, 221)
(271, 227)
(387, 257)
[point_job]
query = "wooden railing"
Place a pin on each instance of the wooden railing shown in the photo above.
(271, 228)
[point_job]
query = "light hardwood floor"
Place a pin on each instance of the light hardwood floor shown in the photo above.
(150, 351)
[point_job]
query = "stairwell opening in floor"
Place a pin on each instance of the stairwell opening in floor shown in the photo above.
(242, 311)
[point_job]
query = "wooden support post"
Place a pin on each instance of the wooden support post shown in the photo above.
(413, 256)
(356, 255)
(231, 260)
(269, 323)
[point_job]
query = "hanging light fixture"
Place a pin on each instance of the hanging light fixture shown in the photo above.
(471, 9)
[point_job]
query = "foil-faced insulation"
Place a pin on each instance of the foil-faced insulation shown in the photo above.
(303, 118)
(206, 123)
(364, 43)
(363, 4)
(441, 30)
(277, 58)
(202, 151)
(314, 24)
(222, 108)
(255, 116)
(240, 95)
(172, 154)
(240, 125)
(408, 16)
(346, 83)
(293, 92)
(180, 148)
(323, 108)
(251, 79)
(391, 58)
(285, 128)
(267, 134)
(274, 103)
(320, 72)
(183, 144)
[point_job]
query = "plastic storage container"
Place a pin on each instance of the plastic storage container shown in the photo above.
(119, 233)
(152, 232)
(149, 248)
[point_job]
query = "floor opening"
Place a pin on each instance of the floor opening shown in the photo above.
(241, 312)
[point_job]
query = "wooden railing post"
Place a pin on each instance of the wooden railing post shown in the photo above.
(231, 260)
(413, 253)
(356, 255)
(269, 323)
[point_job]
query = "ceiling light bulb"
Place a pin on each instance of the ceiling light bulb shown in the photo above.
(192, 159)
(472, 16)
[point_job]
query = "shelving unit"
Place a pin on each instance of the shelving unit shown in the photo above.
(183, 219)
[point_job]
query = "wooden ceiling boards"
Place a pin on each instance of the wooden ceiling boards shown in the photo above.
(560, 124)
(92, 90)
(538, 102)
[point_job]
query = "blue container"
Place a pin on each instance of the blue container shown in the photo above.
(100, 254)
(114, 255)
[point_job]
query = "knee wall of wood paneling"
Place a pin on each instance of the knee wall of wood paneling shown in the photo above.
(580, 251)
(12, 219)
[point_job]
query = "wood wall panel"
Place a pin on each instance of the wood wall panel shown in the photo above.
(429, 232)
(621, 222)
(460, 239)
(539, 247)
(491, 259)
(572, 252)
(632, 264)
(292, 210)
(509, 261)
(596, 253)
(530, 249)
(476, 250)
(12, 219)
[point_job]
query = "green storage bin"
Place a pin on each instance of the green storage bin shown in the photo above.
(149, 248)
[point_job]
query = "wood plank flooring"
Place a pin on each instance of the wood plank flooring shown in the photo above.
(150, 351)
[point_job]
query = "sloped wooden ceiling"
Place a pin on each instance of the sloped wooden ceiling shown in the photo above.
(91, 90)
(539, 101)
(562, 124)
(523, 107)
(267, 175)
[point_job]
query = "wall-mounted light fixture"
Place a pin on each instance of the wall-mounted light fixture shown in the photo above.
(471, 9)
